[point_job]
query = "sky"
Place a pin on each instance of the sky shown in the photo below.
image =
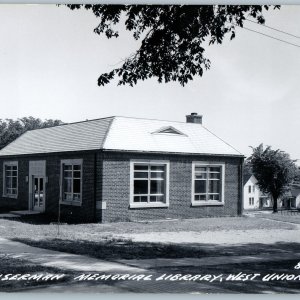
(50, 60)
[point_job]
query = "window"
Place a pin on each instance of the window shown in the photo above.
(10, 179)
(251, 201)
(253, 189)
(249, 189)
(149, 184)
(71, 181)
(208, 184)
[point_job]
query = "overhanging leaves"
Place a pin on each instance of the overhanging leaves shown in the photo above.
(172, 37)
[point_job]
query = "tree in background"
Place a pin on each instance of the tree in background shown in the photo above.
(274, 171)
(172, 37)
(12, 129)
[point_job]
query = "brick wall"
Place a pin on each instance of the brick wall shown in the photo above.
(111, 184)
(116, 189)
(83, 213)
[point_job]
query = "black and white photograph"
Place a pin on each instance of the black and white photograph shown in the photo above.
(149, 148)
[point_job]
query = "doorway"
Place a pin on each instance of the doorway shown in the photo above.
(38, 193)
(37, 185)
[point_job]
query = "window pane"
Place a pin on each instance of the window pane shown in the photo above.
(14, 182)
(214, 186)
(41, 198)
(136, 199)
(140, 174)
(68, 196)
(157, 187)
(77, 174)
(214, 175)
(157, 199)
(200, 169)
(140, 199)
(68, 167)
(213, 197)
(200, 175)
(141, 167)
(8, 182)
(68, 185)
(200, 186)
(67, 174)
(157, 175)
(77, 167)
(141, 187)
(76, 197)
(200, 197)
(76, 186)
(215, 169)
(157, 168)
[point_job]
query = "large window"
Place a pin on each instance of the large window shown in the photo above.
(149, 184)
(208, 184)
(71, 181)
(10, 179)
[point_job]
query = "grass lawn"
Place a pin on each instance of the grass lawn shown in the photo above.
(97, 232)
(283, 217)
(98, 240)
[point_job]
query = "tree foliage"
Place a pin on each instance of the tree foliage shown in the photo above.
(172, 37)
(11, 129)
(274, 171)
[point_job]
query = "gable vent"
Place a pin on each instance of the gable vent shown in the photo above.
(169, 130)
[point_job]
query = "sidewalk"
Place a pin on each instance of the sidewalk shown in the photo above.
(61, 260)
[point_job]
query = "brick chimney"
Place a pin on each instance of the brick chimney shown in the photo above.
(194, 118)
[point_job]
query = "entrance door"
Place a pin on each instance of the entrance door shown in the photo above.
(38, 193)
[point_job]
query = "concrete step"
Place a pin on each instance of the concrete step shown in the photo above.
(9, 215)
(24, 212)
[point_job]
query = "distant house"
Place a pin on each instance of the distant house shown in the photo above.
(292, 198)
(253, 197)
(122, 169)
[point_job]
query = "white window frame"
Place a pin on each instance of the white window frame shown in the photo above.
(70, 162)
(5, 194)
(209, 202)
(133, 204)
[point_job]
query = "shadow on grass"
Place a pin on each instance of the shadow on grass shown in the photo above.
(259, 284)
(114, 249)
(14, 266)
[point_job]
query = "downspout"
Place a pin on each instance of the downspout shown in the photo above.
(241, 194)
(95, 187)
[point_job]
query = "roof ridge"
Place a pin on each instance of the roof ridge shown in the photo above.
(152, 119)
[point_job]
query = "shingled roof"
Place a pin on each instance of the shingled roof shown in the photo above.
(121, 134)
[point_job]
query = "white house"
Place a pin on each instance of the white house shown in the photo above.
(292, 199)
(253, 197)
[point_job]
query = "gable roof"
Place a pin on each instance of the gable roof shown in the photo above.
(246, 177)
(121, 134)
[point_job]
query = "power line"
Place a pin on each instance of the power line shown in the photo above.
(267, 35)
(271, 37)
(296, 36)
